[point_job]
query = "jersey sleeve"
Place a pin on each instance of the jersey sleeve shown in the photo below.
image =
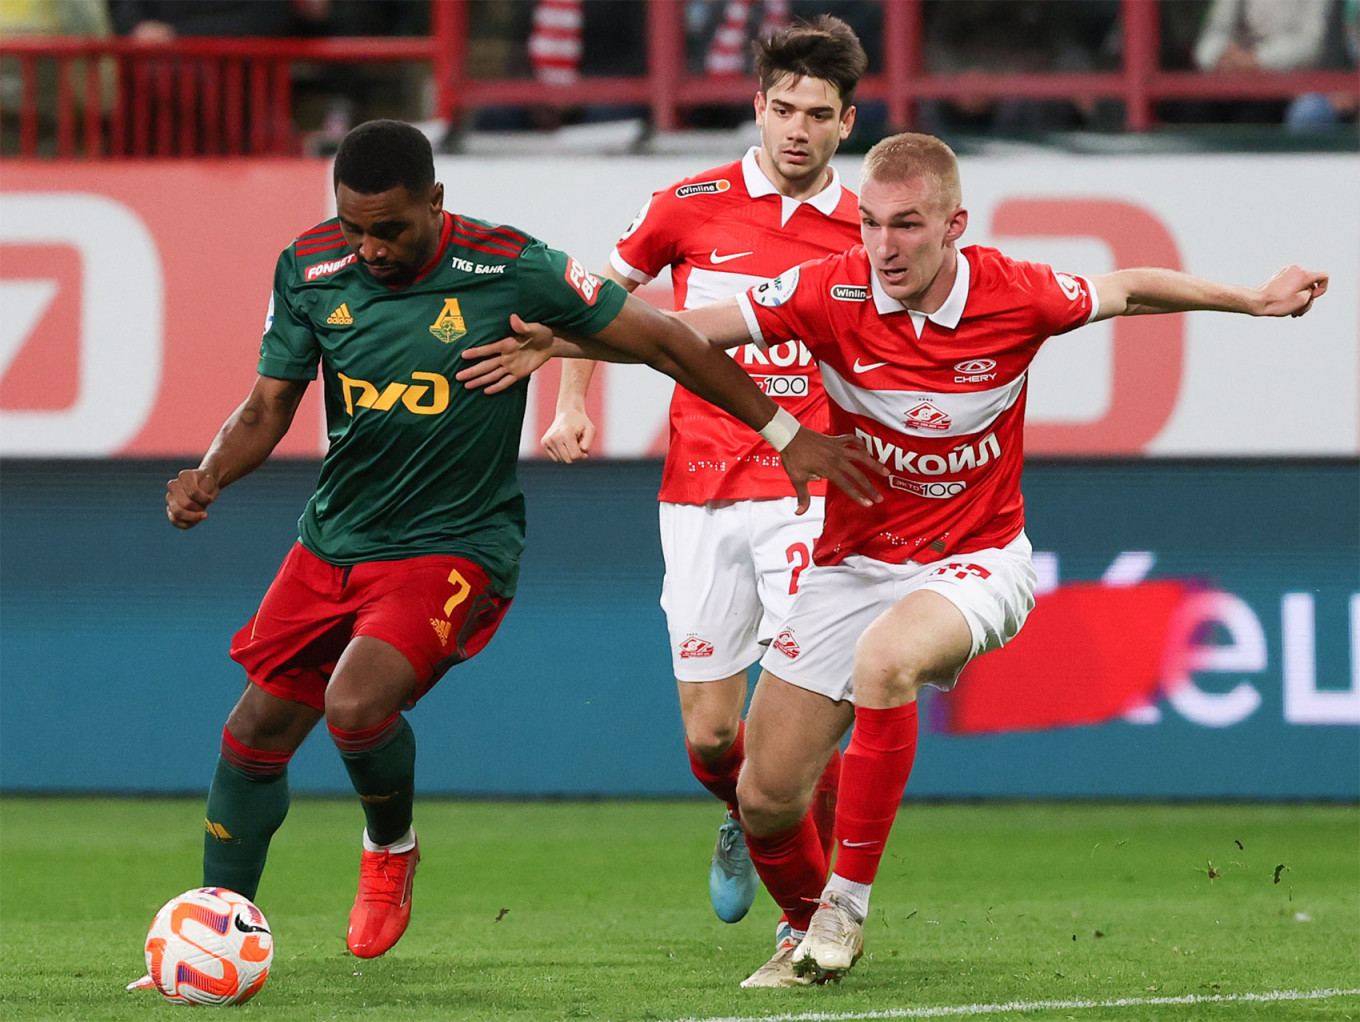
(289, 348)
(556, 289)
(649, 244)
(783, 308)
(1061, 301)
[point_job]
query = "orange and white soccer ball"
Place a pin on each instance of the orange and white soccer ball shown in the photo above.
(209, 946)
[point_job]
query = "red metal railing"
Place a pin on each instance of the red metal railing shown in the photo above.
(195, 96)
(234, 96)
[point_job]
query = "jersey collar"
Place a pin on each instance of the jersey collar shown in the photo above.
(445, 233)
(947, 315)
(757, 185)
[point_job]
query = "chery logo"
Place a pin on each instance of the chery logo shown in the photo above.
(975, 365)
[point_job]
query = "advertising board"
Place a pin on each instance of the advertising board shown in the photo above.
(136, 293)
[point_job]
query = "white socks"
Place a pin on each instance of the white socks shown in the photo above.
(402, 844)
(853, 894)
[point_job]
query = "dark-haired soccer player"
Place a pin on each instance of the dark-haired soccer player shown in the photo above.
(925, 349)
(734, 549)
(409, 549)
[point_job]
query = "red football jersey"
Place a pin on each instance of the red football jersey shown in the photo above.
(939, 399)
(720, 232)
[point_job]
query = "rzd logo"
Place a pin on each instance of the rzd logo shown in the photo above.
(449, 326)
(417, 397)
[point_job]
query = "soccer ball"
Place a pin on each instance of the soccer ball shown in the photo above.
(209, 946)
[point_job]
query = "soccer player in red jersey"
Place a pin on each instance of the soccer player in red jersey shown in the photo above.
(733, 548)
(408, 551)
(924, 349)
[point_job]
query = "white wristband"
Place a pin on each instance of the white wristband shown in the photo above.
(780, 430)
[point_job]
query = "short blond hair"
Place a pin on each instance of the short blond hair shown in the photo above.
(911, 155)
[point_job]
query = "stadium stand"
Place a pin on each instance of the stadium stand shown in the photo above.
(205, 94)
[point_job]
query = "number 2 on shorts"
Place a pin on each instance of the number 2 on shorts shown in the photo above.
(800, 557)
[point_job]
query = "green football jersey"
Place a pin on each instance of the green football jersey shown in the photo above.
(416, 463)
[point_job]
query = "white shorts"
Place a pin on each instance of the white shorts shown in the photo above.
(731, 570)
(815, 648)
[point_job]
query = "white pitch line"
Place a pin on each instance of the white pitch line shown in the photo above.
(965, 1010)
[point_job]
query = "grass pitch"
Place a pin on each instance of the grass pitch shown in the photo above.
(571, 910)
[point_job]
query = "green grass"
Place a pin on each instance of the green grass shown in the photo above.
(545, 911)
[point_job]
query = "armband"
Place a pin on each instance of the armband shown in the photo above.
(780, 430)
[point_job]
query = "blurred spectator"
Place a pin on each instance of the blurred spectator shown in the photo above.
(1314, 110)
(729, 49)
(157, 23)
(562, 41)
(329, 98)
(332, 98)
(719, 35)
(49, 18)
(161, 21)
(1009, 36)
(1269, 35)
(555, 41)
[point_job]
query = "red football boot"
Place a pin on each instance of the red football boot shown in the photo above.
(382, 908)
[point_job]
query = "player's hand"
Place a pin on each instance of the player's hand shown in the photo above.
(187, 497)
(841, 460)
(570, 436)
(509, 360)
(1292, 291)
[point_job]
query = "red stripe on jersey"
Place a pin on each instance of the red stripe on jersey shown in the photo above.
(475, 228)
(512, 240)
(313, 249)
(320, 229)
(487, 248)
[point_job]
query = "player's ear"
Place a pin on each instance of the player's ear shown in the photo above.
(437, 198)
(759, 103)
(847, 122)
(958, 223)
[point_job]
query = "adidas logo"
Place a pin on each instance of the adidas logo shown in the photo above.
(341, 316)
(441, 629)
(218, 831)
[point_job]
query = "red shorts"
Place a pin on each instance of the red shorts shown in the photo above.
(435, 610)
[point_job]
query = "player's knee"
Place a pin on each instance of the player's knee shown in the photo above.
(886, 671)
(710, 737)
(261, 721)
(352, 711)
(767, 812)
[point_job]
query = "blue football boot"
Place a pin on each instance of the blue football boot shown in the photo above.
(732, 880)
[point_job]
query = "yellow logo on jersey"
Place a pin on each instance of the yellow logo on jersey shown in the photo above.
(441, 629)
(449, 325)
(417, 397)
(218, 831)
(341, 316)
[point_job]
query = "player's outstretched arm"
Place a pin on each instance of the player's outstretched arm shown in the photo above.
(501, 364)
(1147, 290)
(572, 433)
(242, 445)
(670, 344)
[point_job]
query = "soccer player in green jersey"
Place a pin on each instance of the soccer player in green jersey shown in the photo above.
(409, 549)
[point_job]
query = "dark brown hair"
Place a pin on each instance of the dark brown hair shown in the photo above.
(825, 48)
